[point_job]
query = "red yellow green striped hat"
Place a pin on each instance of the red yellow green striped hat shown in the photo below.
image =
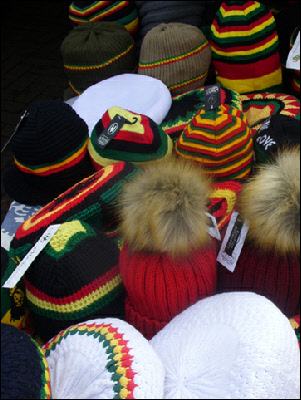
(104, 358)
(245, 47)
(95, 51)
(75, 277)
(220, 140)
(178, 54)
(123, 12)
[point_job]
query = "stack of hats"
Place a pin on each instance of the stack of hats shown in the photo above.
(220, 140)
(74, 278)
(103, 358)
(168, 259)
(94, 51)
(230, 346)
(92, 200)
(269, 262)
(245, 47)
(185, 106)
(24, 369)
(123, 12)
(50, 148)
(121, 135)
(178, 54)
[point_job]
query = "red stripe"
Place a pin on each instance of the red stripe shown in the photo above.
(241, 28)
(237, 7)
(249, 71)
(231, 170)
(89, 11)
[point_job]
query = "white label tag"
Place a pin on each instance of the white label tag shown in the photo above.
(293, 59)
(233, 242)
(30, 256)
(213, 229)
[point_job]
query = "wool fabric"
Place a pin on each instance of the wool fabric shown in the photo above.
(260, 106)
(245, 47)
(176, 53)
(75, 277)
(186, 105)
(138, 140)
(94, 51)
(123, 12)
(104, 358)
(168, 260)
(230, 346)
(269, 262)
(50, 148)
(92, 200)
(220, 140)
(24, 369)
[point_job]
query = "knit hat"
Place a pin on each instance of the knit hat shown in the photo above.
(259, 107)
(104, 358)
(123, 12)
(185, 106)
(121, 135)
(269, 262)
(177, 54)
(245, 47)
(140, 94)
(92, 200)
(167, 261)
(50, 149)
(24, 369)
(75, 277)
(94, 51)
(295, 323)
(230, 346)
(277, 132)
(220, 140)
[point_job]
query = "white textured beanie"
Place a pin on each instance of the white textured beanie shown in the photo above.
(230, 346)
(103, 359)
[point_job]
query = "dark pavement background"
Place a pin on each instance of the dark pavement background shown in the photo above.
(31, 64)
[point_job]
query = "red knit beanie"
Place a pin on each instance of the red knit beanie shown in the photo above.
(168, 260)
(269, 263)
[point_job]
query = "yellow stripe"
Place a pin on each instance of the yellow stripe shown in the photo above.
(242, 33)
(247, 52)
(244, 12)
(132, 25)
(54, 166)
(77, 305)
(114, 8)
(248, 85)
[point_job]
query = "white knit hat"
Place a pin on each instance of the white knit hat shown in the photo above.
(103, 358)
(230, 346)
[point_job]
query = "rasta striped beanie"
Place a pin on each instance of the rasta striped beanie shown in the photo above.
(104, 359)
(50, 148)
(92, 200)
(178, 54)
(24, 369)
(138, 139)
(123, 12)
(245, 47)
(220, 140)
(186, 105)
(75, 277)
(95, 51)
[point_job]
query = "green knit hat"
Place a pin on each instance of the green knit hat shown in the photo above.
(95, 51)
(138, 139)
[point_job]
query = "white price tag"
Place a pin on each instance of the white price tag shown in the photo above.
(212, 229)
(293, 59)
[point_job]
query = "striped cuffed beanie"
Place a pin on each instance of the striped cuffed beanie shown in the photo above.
(104, 359)
(245, 47)
(220, 140)
(123, 12)
(95, 51)
(24, 368)
(178, 54)
(50, 149)
(74, 278)
(138, 140)
(186, 105)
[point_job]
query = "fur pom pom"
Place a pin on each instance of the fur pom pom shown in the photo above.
(162, 209)
(270, 202)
